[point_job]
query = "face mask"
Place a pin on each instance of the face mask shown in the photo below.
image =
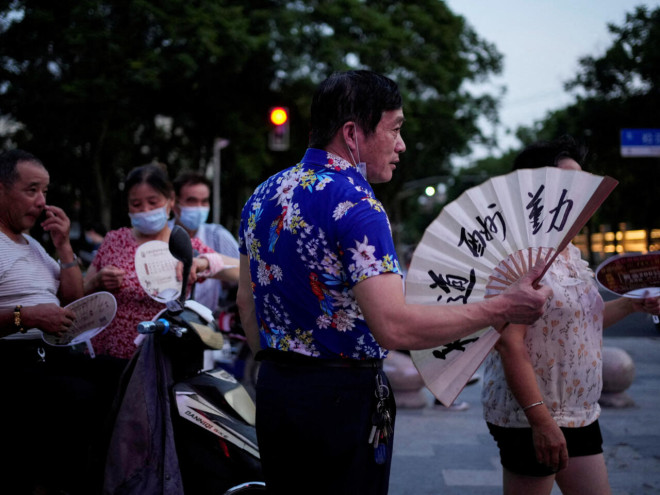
(149, 222)
(192, 217)
(361, 166)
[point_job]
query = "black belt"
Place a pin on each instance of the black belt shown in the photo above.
(297, 359)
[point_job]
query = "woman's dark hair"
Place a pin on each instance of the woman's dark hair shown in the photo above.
(549, 153)
(360, 96)
(151, 174)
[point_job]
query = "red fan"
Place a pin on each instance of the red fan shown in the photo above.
(631, 275)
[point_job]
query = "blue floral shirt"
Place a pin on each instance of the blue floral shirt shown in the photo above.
(311, 233)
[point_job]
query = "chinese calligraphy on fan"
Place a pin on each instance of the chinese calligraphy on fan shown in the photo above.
(456, 282)
(490, 226)
(477, 240)
(457, 287)
(501, 227)
(559, 213)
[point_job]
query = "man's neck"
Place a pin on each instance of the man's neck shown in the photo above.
(338, 150)
(17, 237)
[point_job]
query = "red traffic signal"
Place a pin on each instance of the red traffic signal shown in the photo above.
(279, 115)
(278, 137)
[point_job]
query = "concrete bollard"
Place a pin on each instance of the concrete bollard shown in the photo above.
(618, 375)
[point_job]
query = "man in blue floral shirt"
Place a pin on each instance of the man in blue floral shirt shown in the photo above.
(321, 292)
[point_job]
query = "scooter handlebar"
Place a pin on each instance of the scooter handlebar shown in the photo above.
(159, 326)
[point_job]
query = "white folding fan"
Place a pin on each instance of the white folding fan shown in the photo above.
(486, 240)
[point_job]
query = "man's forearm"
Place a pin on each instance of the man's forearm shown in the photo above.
(71, 279)
(246, 306)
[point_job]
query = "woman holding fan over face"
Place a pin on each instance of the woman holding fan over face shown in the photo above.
(150, 197)
(543, 382)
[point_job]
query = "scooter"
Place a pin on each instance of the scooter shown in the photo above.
(235, 356)
(212, 416)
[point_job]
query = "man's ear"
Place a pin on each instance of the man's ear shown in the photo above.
(349, 132)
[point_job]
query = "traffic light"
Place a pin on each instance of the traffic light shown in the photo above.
(278, 137)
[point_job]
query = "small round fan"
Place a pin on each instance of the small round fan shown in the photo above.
(631, 275)
(156, 270)
(486, 240)
(93, 313)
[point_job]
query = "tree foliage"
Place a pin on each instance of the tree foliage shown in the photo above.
(100, 86)
(617, 90)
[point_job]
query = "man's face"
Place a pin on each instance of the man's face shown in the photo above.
(192, 195)
(380, 151)
(22, 203)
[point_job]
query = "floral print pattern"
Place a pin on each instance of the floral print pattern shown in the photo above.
(311, 233)
(564, 346)
(133, 303)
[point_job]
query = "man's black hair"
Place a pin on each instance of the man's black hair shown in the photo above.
(9, 160)
(360, 96)
(191, 178)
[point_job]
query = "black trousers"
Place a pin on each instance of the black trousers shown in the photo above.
(313, 426)
(54, 404)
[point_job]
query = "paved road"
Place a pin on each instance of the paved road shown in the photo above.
(438, 452)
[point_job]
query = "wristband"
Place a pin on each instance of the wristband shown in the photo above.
(215, 264)
(539, 403)
(17, 319)
(70, 264)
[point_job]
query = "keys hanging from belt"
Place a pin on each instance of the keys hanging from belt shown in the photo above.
(381, 419)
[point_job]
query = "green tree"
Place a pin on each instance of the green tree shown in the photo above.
(100, 86)
(618, 89)
(88, 80)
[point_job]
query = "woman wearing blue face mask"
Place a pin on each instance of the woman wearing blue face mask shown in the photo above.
(150, 199)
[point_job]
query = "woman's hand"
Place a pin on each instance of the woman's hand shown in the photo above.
(200, 264)
(649, 305)
(618, 309)
(110, 277)
(549, 443)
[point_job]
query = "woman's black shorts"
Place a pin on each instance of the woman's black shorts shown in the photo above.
(517, 447)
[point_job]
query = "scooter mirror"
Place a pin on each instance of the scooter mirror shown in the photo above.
(181, 248)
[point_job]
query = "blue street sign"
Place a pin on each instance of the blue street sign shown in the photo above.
(640, 142)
